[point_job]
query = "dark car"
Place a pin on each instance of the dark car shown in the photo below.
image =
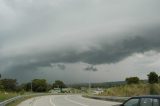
(143, 101)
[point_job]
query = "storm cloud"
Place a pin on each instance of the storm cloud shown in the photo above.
(105, 53)
(60, 66)
(91, 68)
(35, 34)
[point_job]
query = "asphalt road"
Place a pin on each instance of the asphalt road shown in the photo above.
(65, 100)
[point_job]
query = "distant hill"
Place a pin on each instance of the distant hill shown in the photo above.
(102, 85)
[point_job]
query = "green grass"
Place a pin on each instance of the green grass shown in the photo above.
(132, 90)
(15, 103)
(7, 95)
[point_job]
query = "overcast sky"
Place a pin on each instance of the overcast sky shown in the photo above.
(79, 40)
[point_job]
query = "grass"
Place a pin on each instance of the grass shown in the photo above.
(132, 90)
(15, 103)
(7, 95)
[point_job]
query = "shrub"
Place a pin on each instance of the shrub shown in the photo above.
(132, 80)
(152, 78)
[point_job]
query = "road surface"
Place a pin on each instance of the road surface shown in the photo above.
(65, 100)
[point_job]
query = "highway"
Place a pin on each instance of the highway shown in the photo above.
(65, 100)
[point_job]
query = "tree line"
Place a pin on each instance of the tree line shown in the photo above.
(152, 79)
(41, 85)
(36, 85)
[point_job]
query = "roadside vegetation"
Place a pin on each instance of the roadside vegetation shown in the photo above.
(10, 88)
(6, 95)
(15, 103)
(135, 87)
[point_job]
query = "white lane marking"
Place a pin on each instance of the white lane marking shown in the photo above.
(33, 101)
(66, 98)
(51, 101)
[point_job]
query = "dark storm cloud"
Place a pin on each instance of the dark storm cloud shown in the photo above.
(148, 39)
(91, 68)
(59, 65)
(141, 41)
(35, 34)
(144, 41)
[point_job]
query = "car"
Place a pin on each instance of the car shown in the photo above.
(150, 100)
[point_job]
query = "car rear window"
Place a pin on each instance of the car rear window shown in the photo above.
(149, 102)
(155, 102)
(132, 102)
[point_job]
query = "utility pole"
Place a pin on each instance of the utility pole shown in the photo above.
(89, 83)
(31, 87)
(89, 87)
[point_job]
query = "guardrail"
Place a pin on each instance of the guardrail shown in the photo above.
(10, 100)
(108, 98)
(4, 103)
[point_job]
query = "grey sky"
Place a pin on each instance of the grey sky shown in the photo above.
(61, 39)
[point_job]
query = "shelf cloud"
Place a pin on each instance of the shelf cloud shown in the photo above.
(35, 34)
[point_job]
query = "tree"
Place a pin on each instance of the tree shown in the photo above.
(0, 82)
(9, 84)
(39, 85)
(49, 87)
(59, 84)
(26, 86)
(132, 80)
(152, 77)
(159, 79)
